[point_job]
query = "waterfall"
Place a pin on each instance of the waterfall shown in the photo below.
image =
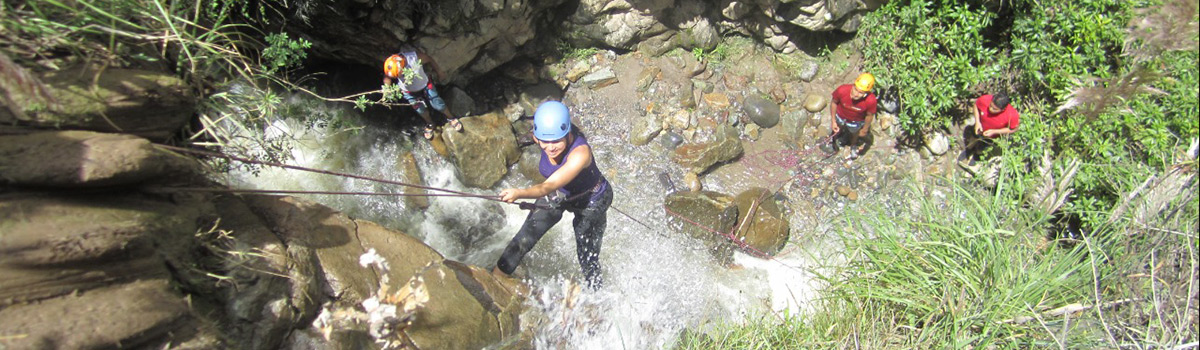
(657, 282)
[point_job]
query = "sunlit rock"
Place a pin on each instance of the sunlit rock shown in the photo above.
(85, 159)
(722, 146)
(761, 221)
(645, 129)
(717, 100)
(467, 307)
(647, 77)
(937, 143)
(808, 70)
(483, 150)
(693, 182)
(814, 103)
(600, 78)
(118, 316)
(581, 68)
(145, 103)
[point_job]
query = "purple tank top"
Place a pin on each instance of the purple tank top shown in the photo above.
(587, 178)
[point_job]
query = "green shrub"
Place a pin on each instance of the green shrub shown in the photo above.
(934, 51)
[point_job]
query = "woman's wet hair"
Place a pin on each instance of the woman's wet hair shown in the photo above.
(1000, 100)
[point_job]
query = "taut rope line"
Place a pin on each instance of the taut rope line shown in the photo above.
(449, 192)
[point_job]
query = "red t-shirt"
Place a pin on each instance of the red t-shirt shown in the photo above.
(1008, 118)
(848, 108)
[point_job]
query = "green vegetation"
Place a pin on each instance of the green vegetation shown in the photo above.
(961, 269)
(1111, 83)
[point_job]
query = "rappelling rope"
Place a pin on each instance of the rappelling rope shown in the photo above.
(448, 192)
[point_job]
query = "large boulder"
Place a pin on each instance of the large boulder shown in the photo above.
(721, 145)
(484, 150)
(466, 307)
(761, 111)
(85, 159)
(706, 216)
(145, 103)
(761, 221)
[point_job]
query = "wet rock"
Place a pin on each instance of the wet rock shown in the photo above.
(599, 79)
(465, 305)
(671, 139)
(814, 103)
(647, 76)
(85, 159)
(699, 214)
(528, 166)
(645, 129)
(483, 150)
(145, 103)
(699, 157)
(693, 182)
(761, 111)
(761, 220)
(717, 100)
(407, 165)
(259, 295)
(937, 143)
(808, 71)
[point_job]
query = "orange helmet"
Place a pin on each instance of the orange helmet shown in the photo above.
(393, 65)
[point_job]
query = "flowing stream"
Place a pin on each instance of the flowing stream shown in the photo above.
(658, 281)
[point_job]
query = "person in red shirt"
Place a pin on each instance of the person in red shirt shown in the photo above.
(853, 110)
(994, 117)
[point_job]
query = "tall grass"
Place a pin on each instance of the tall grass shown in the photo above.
(961, 269)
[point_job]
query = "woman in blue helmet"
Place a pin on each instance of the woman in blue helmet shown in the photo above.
(573, 183)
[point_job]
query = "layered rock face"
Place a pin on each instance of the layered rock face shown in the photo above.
(108, 240)
(469, 38)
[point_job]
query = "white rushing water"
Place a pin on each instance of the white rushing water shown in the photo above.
(657, 282)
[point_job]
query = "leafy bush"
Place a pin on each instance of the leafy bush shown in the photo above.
(934, 51)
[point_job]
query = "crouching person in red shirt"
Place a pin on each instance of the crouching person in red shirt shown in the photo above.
(994, 117)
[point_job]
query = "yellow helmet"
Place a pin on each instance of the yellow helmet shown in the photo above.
(393, 65)
(865, 82)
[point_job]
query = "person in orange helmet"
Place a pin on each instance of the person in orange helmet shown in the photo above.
(853, 110)
(416, 86)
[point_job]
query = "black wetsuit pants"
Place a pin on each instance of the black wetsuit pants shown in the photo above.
(590, 218)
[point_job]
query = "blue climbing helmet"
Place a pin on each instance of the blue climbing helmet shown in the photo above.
(552, 121)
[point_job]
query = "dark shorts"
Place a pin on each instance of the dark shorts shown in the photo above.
(849, 125)
(429, 93)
